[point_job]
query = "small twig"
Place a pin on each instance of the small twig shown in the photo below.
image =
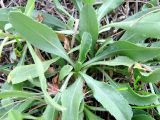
(127, 8)
(136, 7)
(2, 4)
(36, 107)
(2, 44)
(133, 1)
(75, 31)
(13, 41)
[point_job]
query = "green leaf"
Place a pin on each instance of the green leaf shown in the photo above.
(49, 20)
(15, 115)
(85, 46)
(136, 99)
(71, 99)
(2, 25)
(132, 37)
(140, 14)
(77, 66)
(65, 71)
(15, 93)
(4, 13)
(140, 25)
(88, 1)
(142, 117)
(108, 6)
(40, 71)
(50, 112)
(90, 115)
(110, 98)
(38, 34)
(124, 48)
(25, 105)
(26, 72)
(52, 21)
(154, 90)
(146, 107)
(152, 77)
(29, 7)
(120, 60)
(81, 108)
(106, 42)
(60, 8)
(154, 2)
(88, 23)
(78, 4)
(133, 17)
(139, 111)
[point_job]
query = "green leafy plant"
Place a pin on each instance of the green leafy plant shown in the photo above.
(81, 85)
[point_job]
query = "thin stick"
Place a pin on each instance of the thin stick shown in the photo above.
(2, 45)
(75, 31)
(2, 4)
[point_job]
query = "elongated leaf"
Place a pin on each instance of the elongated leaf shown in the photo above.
(124, 48)
(38, 34)
(155, 91)
(120, 60)
(108, 6)
(13, 93)
(85, 46)
(132, 37)
(136, 99)
(152, 77)
(140, 25)
(142, 117)
(81, 109)
(40, 71)
(131, 96)
(60, 8)
(78, 4)
(140, 14)
(109, 97)
(139, 112)
(29, 7)
(133, 17)
(15, 115)
(91, 116)
(50, 112)
(65, 71)
(2, 24)
(4, 13)
(104, 45)
(71, 99)
(154, 2)
(26, 72)
(25, 105)
(52, 21)
(88, 23)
